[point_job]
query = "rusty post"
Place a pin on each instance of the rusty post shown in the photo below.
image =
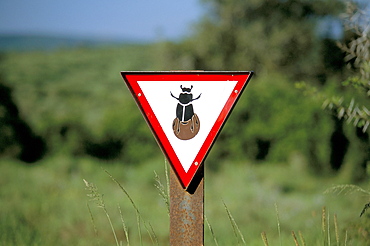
(187, 211)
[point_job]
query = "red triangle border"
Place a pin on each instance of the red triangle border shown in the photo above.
(131, 78)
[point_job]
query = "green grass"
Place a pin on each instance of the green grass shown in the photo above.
(45, 204)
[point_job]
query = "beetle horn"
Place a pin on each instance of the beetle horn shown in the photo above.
(191, 87)
(181, 87)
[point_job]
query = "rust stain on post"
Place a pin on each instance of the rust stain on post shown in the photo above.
(186, 212)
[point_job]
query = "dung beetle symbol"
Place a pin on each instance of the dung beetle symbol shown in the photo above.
(186, 124)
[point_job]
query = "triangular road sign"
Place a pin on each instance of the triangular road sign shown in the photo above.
(186, 111)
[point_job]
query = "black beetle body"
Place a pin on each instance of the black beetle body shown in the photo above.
(184, 109)
(186, 124)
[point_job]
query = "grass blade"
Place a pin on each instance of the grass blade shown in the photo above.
(295, 239)
(132, 203)
(151, 232)
(323, 225)
(111, 226)
(264, 238)
(124, 226)
(234, 225)
(367, 206)
(93, 223)
(98, 198)
(336, 228)
(162, 192)
(211, 229)
(278, 223)
(346, 189)
(329, 241)
(302, 238)
(167, 176)
(152, 235)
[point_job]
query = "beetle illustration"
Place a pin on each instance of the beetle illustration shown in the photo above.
(186, 124)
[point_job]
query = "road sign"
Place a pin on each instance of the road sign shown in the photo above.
(186, 111)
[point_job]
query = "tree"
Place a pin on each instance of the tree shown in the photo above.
(347, 102)
(357, 50)
(281, 41)
(355, 111)
(16, 137)
(261, 34)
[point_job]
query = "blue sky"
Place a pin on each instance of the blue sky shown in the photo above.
(126, 19)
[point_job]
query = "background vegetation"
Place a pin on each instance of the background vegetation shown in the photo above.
(66, 112)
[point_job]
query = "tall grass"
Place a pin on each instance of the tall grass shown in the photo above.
(124, 226)
(99, 201)
(46, 205)
(327, 230)
(347, 189)
(164, 191)
(93, 224)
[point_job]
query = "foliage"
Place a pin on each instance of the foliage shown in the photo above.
(88, 111)
(357, 21)
(359, 114)
(348, 102)
(349, 189)
(272, 122)
(16, 136)
(77, 102)
(283, 42)
(260, 35)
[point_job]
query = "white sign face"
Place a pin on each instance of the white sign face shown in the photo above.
(213, 96)
(186, 111)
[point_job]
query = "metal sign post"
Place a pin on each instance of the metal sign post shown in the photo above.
(186, 213)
